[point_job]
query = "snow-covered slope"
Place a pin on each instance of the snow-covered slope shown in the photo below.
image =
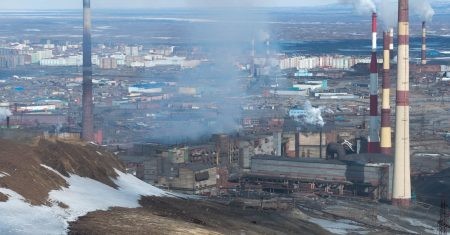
(45, 186)
(82, 196)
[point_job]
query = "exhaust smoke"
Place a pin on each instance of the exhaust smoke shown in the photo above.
(423, 9)
(4, 113)
(361, 6)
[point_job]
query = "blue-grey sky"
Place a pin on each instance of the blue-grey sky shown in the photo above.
(73, 4)
(139, 4)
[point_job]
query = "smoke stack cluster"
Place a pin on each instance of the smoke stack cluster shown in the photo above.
(374, 123)
(386, 142)
(88, 115)
(402, 168)
(424, 43)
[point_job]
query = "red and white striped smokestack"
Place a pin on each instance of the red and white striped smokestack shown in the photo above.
(402, 168)
(87, 133)
(424, 43)
(386, 141)
(374, 123)
(391, 42)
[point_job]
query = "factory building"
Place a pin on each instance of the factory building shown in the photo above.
(350, 178)
(199, 179)
(331, 62)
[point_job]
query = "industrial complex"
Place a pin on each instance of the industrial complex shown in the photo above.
(271, 121)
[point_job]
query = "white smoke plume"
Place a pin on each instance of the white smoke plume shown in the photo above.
(313, 116)
(423, 9)
(361, 6)
(388, 13)
(4, 113)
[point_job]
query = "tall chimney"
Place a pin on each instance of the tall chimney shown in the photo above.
(391, 43)
(402, 168)
(253, 67)
(87, 133)
(374, 124)
(8, 122)
(424, 43)
(297, 144)
(386, 141)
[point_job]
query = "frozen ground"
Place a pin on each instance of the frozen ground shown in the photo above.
(339, 226)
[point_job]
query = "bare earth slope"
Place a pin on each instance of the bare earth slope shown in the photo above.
(176, 216)
(22, 164)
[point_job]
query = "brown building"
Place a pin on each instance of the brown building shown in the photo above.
(198, 179)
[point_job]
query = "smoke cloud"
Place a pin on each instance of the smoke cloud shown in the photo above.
(313, 116)
(388, 13)
(361, 6)
(4, 113)
(226, 41)
(423, 9)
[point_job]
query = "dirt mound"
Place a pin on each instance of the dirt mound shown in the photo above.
(86, 161)
(22, 167)
(3, 198)
(25, 175)
(175, 216)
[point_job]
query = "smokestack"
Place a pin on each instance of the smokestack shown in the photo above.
(8, 122)
(374, 124)
(386, 141)
(424, 43)
(297, 144)
(88, 115)
(321, 142)
(391, 43)
(252, 72)
(402, 168)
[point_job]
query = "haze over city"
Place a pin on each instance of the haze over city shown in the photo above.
(224, 117)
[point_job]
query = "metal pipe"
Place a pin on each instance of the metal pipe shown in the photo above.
(87, 99)
(374, 124)
(386, 141)
(402, 168)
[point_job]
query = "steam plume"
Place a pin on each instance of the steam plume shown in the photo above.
(423, 9)
(4, 113)
(313, 115)
(388, 13)
(362, 6)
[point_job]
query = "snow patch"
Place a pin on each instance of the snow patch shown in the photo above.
(382, 219)
(19, 217)
(99, 153)
(418, 223)
(340, 227)
(83, 195)
(54, 171)
(3, 174)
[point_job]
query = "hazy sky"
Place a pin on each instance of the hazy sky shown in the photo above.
(70, 4)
